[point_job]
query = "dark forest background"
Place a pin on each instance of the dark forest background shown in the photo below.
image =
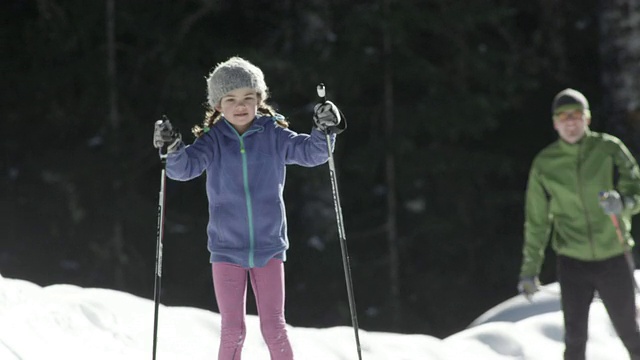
(447, 101)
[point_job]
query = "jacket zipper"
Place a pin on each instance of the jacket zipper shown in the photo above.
(247, 195)
(580, 189)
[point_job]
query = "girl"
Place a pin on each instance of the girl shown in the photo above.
(243, 146)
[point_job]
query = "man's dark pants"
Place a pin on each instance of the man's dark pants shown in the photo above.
(611, 278)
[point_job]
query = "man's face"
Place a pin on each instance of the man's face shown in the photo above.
(571, 125)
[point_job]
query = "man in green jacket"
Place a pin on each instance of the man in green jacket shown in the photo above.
(581, 194)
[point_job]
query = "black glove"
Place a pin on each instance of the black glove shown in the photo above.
(326, 115)
(164, 134)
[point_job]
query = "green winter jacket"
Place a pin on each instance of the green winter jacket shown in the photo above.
(562, 200)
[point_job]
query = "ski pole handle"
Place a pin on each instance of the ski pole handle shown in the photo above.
(163, 150)
(321, 92)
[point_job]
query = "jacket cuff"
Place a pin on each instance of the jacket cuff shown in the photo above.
(628, 202)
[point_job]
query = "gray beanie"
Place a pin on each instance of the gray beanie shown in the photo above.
(233, 74)
(569, 99)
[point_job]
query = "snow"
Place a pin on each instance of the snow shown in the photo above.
(70, 322)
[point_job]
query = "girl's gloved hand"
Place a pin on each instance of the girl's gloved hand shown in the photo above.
(326, 115)
(164, 134)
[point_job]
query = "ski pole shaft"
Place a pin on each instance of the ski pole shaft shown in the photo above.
(625, 246)
(341, 231)
(616, 224)
(627, 251)
(159, 238)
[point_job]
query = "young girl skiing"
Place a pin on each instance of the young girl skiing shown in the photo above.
(244, 146)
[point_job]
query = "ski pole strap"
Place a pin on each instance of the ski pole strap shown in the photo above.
(341, 127)
(162, 153)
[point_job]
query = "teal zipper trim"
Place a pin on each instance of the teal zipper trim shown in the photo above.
(247, 193)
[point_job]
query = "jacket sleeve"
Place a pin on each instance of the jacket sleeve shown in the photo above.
(304, 149)
(537, 225)
(189, 162)
(629, 178)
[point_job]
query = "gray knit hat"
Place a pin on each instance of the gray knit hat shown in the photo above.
(569, 99)
(233, 74)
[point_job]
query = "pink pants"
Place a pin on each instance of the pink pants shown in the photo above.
(230, 285)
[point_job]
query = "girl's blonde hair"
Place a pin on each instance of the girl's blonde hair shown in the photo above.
(212, 116)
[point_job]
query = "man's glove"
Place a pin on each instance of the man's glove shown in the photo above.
(612, 203)
(528, 286)
(164, 134)
(326, 115)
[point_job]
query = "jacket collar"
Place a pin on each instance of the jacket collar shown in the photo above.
(257, 126)
(573, 148)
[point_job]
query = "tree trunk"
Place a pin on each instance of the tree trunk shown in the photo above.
(620, 56)
(392, 232)
(116, 247)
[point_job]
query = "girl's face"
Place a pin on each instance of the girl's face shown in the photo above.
(239, 107)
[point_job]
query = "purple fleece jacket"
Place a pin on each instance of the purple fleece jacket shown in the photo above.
(245, 181)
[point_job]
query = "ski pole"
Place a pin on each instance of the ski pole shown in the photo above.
(627, 250)
(627, 255)
(159, 238)
(341, 231)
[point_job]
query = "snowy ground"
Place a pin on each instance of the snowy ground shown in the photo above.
(69, 322)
